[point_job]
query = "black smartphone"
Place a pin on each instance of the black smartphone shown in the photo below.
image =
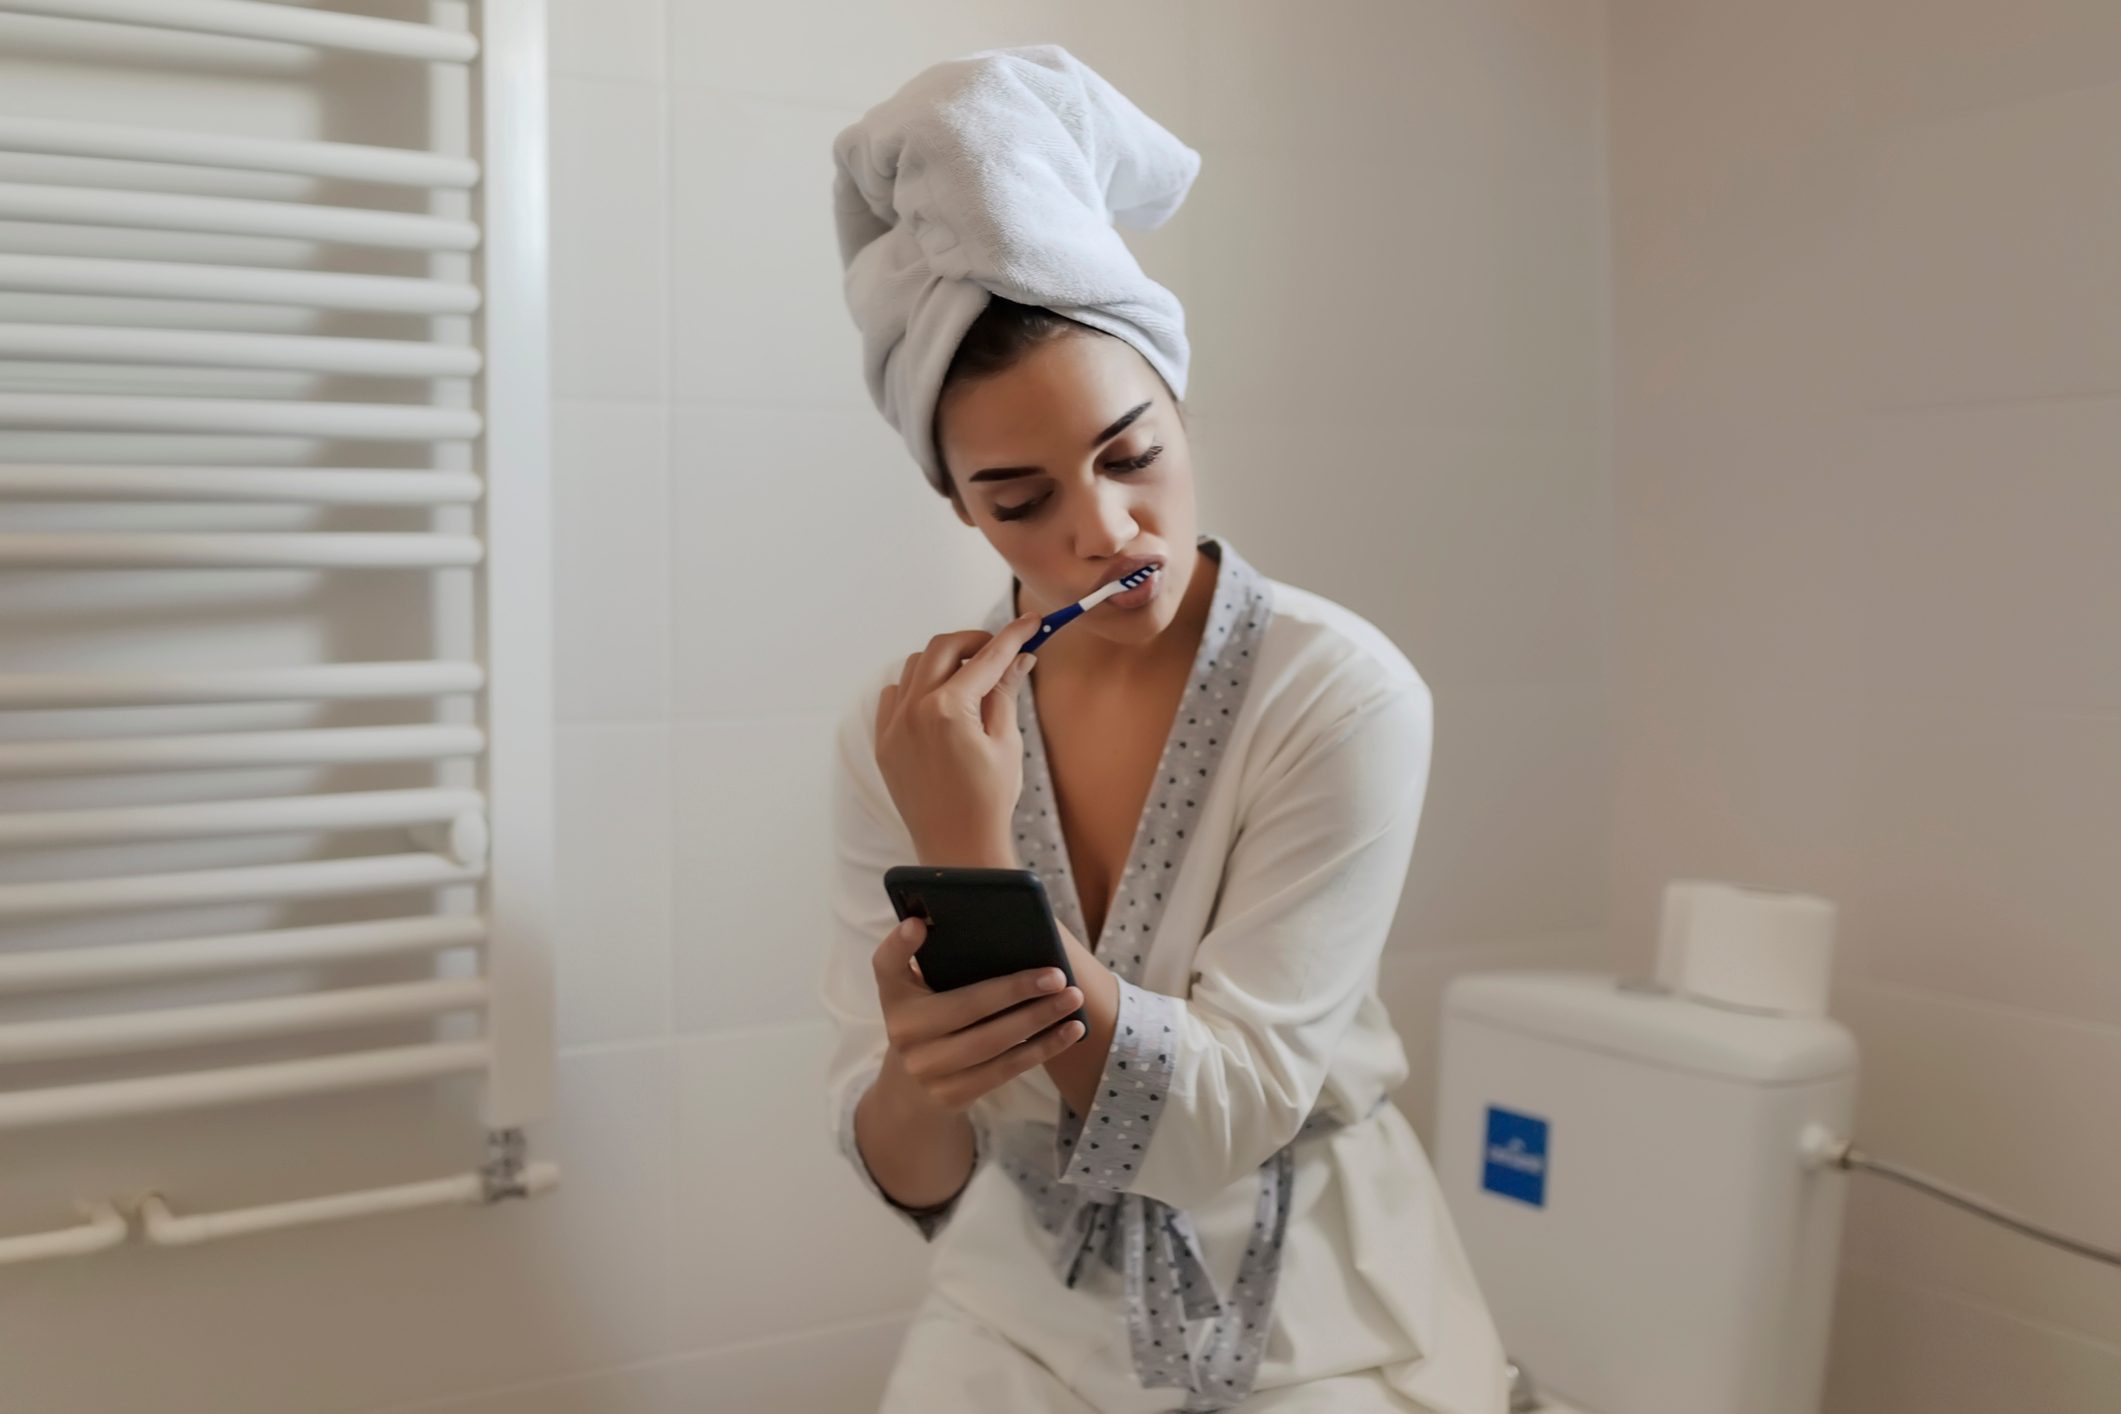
(981, 923)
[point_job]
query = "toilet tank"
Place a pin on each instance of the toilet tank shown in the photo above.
(1623, 1166)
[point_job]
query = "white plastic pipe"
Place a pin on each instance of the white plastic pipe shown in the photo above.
(166, 1229)
(234, 216)
(315, 746)
(203, 348)
(105, 1228)
(346, 810)
(155, 1094)
(317, 549)
(323, 682)
(251, 19)
(119, 964)
(61, 137)
(323, 878)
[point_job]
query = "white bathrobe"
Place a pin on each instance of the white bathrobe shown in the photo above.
(1248, 1149)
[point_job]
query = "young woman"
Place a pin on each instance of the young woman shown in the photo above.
(1209, 1200)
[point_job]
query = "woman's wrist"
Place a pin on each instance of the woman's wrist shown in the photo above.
(992, 852)
(911, 1145)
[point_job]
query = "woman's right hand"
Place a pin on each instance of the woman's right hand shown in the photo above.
(949, 1048)
(948, 745)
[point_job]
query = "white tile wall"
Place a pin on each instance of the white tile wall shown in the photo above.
(1868, 391)
(2017, 1082)
(806, 549)
(856, 55)
(610, 203)
(612, 606)
(749, 795)
(613, 885)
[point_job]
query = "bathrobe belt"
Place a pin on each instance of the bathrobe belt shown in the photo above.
(1156, 1250)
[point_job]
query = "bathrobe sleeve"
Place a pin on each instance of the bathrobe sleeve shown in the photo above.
(1198, 1092)
(868, 837)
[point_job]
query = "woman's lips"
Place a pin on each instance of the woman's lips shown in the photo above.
(1137, 597)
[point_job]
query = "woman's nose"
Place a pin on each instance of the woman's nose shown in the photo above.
(1111, 527)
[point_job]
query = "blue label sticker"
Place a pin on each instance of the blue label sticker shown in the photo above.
(1516, 1163)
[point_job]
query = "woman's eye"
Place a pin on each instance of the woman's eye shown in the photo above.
(1030, 508)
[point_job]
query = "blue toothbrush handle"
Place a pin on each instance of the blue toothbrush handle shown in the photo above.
(1047, 625)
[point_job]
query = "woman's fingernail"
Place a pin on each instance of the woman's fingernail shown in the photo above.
(1025, 662)
(1050, 982)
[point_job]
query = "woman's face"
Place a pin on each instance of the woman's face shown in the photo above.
(1073, 462)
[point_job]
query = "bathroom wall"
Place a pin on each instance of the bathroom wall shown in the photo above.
(1867, 365)
(1395, 270)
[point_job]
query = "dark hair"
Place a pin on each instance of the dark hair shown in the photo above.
(1004, 332)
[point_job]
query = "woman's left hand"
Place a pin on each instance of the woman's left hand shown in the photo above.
(948, 746)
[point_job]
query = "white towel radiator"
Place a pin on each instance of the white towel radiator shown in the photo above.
(238, 351)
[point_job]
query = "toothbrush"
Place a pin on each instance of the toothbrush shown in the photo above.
(1053, 621)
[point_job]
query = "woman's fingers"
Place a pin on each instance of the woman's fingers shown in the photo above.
(961, 1043)
(956, 1058)
(982, 672)
(937, 664)
(905, 679)
(970, 662)
(884, 701)
(940, 1013)
(967, 1086)
(896, 981)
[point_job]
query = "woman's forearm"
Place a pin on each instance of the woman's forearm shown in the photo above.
(919, 1155)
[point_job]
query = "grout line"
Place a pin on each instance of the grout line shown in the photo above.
(1917, 117)
(852, 110)
(1999, 400)
(757, 1028)
(606, 80)
(673, 1064)
(653, 1362)
(604, 400)
(1987, 1308)
(1859, 981)
(617, 1046)
(1588, 939)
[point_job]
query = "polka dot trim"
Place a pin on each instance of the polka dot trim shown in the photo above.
(1103, 1149)
(1077, 1178)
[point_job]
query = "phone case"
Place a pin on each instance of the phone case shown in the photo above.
(981, 923)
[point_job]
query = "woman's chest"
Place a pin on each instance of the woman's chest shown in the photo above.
(1103, 763)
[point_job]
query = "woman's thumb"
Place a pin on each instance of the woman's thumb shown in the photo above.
(894, 960)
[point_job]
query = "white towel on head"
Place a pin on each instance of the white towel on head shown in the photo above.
(1000, 172)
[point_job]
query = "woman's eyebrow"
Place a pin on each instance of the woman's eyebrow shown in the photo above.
(1006, 473)
(1125, 421)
